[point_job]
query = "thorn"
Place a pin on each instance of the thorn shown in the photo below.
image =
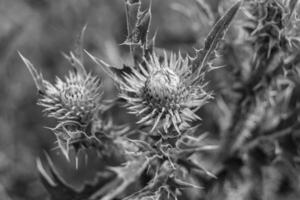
(37, 77)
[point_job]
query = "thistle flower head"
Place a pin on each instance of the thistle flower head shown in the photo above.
(72, 101)
(164, 93)
(75, 98)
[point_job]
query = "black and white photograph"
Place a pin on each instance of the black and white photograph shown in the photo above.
(149, 100)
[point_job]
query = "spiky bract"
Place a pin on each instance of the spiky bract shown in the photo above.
(164, 93)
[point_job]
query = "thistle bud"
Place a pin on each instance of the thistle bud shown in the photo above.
(73, 102)
(162, 93)
(76, 98)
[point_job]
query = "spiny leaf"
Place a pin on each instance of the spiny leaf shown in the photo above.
(155, 184)
(37, 77)
(127, 174)
(132, 10)
(59, 189)
(143, 26)
(138, 23)
(114, 73)
(214, 37)
(108, 69)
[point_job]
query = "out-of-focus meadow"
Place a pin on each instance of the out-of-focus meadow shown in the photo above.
(42, 30)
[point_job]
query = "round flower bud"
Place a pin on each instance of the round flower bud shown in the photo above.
(164, 94)
(76, 98)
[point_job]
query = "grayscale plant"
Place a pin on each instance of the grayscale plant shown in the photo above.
(73, 101)
(190, 128)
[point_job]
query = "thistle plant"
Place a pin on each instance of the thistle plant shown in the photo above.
(73, 102)
(161, 155)
(165, 91)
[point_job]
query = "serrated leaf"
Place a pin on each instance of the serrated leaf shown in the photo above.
(132, 10)
(138, 24)
(214, 37)
(59, 189)
(108, 69)
(144, 25)
(37, 77)
(155, 184)
(113, 72)
(128, 174)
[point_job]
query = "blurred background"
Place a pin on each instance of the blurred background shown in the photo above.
(42, 30)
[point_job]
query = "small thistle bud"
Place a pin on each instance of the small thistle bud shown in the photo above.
(76, 98)
(73, 102)
(164, 93)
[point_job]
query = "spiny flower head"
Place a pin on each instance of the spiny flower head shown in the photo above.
(72, 101)
(75, 98)
(164, 93)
